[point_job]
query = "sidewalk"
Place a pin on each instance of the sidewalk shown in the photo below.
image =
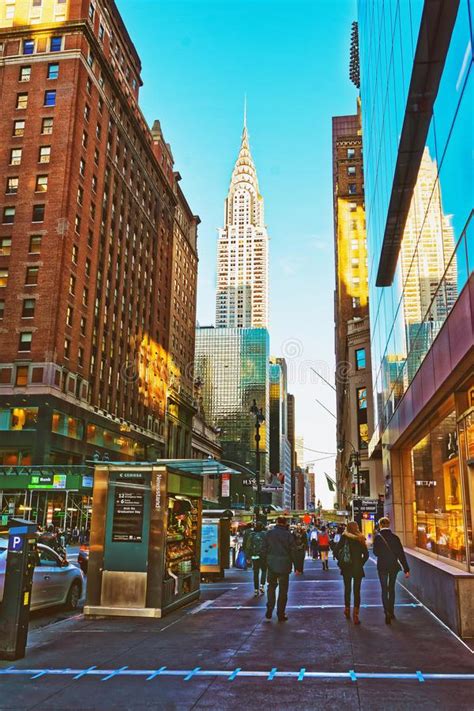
(222, 654)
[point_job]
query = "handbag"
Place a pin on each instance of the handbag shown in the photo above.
(391, 551)
(241, 560)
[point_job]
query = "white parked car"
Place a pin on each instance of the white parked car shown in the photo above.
(55, 580)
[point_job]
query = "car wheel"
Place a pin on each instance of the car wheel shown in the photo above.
(74, 595)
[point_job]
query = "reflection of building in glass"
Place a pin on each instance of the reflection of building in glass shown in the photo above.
(428, 264)
(232, 365)
(242, 252)
(418, 192)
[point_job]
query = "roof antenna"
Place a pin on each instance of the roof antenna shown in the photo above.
(245, 110)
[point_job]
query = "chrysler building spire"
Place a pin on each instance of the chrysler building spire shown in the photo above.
(242, 257)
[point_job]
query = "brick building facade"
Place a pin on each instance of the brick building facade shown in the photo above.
(91, 246)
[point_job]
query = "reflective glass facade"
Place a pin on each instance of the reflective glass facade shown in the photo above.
(437, 250)
(232, 365)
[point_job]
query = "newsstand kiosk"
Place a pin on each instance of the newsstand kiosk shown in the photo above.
(145, 540)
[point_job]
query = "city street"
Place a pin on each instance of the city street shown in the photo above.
(222, 653)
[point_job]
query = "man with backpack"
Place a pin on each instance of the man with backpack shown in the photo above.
(255, 551)
(391, 559)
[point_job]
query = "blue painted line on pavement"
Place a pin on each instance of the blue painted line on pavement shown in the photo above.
(186, 674)
(114, 673)
(156, 673)
(84, 672)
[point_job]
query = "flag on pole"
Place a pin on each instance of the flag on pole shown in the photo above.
(330, 482)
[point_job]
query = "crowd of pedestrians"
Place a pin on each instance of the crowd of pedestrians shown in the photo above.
(274, 553)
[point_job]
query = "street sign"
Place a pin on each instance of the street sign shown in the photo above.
(15, 543)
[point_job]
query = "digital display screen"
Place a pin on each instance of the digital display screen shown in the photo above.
(210, 544)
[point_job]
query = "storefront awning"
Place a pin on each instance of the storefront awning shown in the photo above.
(198, 466)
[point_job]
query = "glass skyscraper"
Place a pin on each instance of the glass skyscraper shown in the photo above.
(417, 94)
(232, 366)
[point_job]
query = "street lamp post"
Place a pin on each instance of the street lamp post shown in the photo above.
(259, 419)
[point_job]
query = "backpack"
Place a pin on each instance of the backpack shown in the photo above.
(344, 557)
(256, 544)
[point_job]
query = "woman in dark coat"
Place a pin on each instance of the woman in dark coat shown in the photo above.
(352, 554)
(301, 543)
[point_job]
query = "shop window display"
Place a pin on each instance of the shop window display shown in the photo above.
(439, 515)
(182, 546)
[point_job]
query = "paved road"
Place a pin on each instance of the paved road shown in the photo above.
(221, 653)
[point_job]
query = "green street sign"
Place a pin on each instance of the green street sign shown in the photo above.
(4, 521)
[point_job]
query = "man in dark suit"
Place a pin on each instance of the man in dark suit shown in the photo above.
(390, 559)
(278, 551)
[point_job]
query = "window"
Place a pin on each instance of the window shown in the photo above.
(96, 157)
(3, 277)
(90, 59)
(35, 244)
(353, 206)
(21, 377)
(28, 46)
(83, 326)
(352, 188)
(87, 112)
(68, 426)
(2, 308)
(38, 213)
(53, 71)
(84, 139)
(91, 11)
(85, 296)
(72, 284)
(15, 156)
(12, 186)
(82, 166)
(441, 505)
(44, 154)
(351, 153)
(80, 356)
(25, 74)
(69, 315)
(77, 224)
(94, 183)
(80, 195)
(47, 126)
(88, 267)
(41, 183)
(5, 246)
(101, 32)
(100, 105)
(55, 44)
(50, 98)
(67, 347)
(22, 101)
(362, 398)
(356, 302)
(24, 344)
(98, 131)
(8, 215)
(360, 359)
(31, 276)
(19, 128)
(351, 170)
(28, 310)
(75, 253)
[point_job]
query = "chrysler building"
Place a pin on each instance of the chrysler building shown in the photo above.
(242, 250)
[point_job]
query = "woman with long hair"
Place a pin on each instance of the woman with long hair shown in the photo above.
(352, 554)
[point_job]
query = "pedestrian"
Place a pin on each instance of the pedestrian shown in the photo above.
(314, 543)
(300, 539)
(391, 559)
(279, 549)
(323, 544)
(255, 546)
(352, 554)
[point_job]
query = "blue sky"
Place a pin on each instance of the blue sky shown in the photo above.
(200, 57)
